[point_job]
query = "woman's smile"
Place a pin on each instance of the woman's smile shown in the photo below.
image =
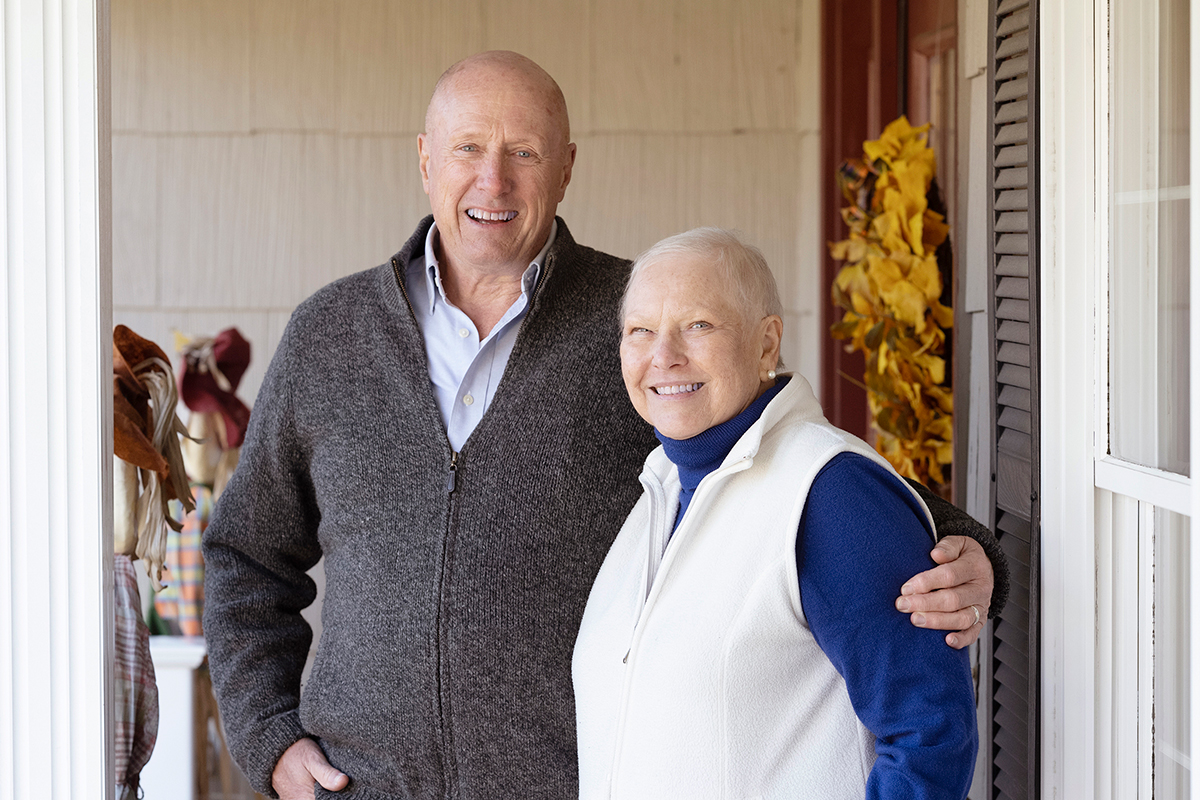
(676, 389)
(691, 355)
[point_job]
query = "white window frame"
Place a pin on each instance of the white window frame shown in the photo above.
(1094, 574)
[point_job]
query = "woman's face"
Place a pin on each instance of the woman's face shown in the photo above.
(689, 357)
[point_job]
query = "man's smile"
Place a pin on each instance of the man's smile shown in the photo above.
(481, 215)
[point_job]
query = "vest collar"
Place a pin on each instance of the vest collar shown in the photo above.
(796, 396)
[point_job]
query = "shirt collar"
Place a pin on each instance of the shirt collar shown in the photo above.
(433, 274)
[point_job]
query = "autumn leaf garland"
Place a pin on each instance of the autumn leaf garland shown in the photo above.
(890, 289)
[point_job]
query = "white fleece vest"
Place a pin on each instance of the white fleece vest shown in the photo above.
(696, 674)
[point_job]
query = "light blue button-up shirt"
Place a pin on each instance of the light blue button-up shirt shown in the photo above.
(465, 370)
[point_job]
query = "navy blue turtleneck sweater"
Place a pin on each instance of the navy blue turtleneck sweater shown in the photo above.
(704, 452)
(861, 536)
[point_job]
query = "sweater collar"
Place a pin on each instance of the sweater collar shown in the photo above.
(562, 248)
(433, 268)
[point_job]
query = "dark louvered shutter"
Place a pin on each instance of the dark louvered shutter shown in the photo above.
(1014, 312)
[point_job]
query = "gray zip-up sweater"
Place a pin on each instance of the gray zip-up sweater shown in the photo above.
(454, 585)
(453, 593)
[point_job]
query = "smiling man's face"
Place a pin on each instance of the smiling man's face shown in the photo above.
(495, 161)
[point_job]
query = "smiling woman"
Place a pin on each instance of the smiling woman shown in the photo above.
(685, 355)
(740, 638)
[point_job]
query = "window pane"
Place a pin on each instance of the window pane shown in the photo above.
(1172, 765)
(1148, 294)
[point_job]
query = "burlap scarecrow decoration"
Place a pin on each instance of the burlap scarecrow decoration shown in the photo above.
(148, 470)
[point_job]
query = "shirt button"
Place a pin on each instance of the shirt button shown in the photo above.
(463, 332)
(468, 400)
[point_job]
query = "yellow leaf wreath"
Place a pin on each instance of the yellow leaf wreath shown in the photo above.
(890, 288)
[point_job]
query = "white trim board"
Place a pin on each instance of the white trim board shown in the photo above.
(1194, 378)
(1068, 295)
(56, 585)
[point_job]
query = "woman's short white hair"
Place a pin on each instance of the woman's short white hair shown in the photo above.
(746, 270)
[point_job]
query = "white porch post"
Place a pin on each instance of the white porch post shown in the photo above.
(56, 616)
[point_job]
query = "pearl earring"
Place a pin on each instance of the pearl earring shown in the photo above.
(770, 374)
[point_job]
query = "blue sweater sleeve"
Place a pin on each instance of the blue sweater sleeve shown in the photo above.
(862, 535)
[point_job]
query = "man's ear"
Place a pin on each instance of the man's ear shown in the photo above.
(423, 156)
(567, 167)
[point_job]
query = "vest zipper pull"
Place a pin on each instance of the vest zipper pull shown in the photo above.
(453, 470)
(625, 660)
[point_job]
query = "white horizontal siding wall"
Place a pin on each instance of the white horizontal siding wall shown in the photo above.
(263, 148)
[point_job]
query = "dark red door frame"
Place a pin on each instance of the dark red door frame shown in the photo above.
(859, 94)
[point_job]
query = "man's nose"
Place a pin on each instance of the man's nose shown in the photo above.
(493, 174)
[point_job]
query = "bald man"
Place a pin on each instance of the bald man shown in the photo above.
(451, 432)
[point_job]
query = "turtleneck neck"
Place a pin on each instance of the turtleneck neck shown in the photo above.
(704, 452)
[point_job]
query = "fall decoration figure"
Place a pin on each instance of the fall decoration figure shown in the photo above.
(209, 374)
(891, 289)
(148, 469)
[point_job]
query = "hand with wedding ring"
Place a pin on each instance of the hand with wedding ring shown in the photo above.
(954, 596)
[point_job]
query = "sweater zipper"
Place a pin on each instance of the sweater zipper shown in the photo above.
(451, 485)
(448, 760)
(447, 736)
(403, 289)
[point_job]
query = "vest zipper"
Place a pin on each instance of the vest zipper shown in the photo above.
(453, 471)
(658, 502)
(658, 523)
(659, 539)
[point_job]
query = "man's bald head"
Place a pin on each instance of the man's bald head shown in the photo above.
(495, 160)
(503, 67)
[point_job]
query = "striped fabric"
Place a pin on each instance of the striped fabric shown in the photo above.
(182, 601)
(135, 694)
